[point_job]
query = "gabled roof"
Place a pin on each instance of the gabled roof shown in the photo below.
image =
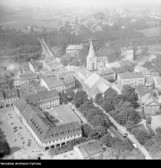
(53, 83)
(68, 79)
(26, 90)
(102, 87)
(91, 80)
(143, 90)
(110, 92)
(42, 96)
(28, 76)
(10, 93)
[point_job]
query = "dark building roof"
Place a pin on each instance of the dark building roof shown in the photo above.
(69, 79)
(26, 90)
(10, 93)
(28, 76)
(40, 89)
(42, 96)
(110, 92)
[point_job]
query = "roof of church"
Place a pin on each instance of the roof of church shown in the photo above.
(92, 79)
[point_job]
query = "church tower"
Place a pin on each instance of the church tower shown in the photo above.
(91, 59)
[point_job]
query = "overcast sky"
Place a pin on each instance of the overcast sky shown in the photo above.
(74, 2)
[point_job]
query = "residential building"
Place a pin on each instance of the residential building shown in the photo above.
(108, 74)
(26, 90)
(128, 54)
(10, 96)
(74, 50)
(45, 100)
(69, 81)
(34, 66)
(46, 134)
(130, 78)
(40, 89)
(53, 84)
(150, 105)
(25, 79)
(92, 149)
(142, 91)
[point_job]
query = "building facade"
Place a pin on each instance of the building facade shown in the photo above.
(132, 79)
(45, 99)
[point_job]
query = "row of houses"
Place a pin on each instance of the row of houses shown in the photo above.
(46, 134)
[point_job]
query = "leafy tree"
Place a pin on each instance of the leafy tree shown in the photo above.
(80, 98)
(87, 130)
(90, 113)
(70, 94)
(107, 105)
(97, 120)
(130, 95)
(107, 139)
(99, 98)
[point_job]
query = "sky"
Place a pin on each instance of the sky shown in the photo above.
(50, 3)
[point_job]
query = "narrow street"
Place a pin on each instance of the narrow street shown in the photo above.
(130, 136)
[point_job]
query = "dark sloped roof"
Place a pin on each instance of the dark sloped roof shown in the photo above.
(10, 93)
(110, 92)
(26, 90)
(42, 96)
(68, 79)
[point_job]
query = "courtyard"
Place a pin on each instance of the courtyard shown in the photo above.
(64, 114)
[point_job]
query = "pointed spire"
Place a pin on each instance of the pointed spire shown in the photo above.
(91, 52)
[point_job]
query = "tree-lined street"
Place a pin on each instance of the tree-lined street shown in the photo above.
(130, 136)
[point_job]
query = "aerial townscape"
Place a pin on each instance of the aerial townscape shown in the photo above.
(80, 80)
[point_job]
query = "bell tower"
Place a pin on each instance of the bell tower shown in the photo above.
(91, 59)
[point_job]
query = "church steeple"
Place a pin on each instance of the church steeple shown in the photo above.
(91, 52)
(91, 58)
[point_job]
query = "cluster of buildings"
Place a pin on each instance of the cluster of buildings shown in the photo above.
(45, 133)
(35, 89)
(95, 78)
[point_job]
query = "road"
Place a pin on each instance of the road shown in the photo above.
(45, 48)
(130, 136)
(82, 118)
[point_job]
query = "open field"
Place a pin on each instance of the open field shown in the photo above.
(64, 114)
(152, 32)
